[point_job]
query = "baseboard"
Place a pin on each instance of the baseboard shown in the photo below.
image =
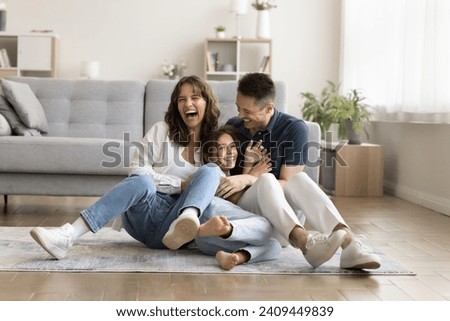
(433, 202)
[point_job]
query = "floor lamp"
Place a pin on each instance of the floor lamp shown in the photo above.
(238, 7)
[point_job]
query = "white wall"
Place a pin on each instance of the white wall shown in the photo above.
(131, 38)
(417, 166)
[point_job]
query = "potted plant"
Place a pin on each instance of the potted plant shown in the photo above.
(353, 115)
(220, 31)
(317, 108)
(349, 112)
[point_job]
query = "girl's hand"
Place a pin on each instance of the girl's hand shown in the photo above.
(254, 153)
(263, 166)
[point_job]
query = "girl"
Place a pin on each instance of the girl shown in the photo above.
(220, 147)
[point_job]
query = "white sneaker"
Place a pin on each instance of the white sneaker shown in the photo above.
(358, 256)
(321, 247)
(183, 230)
(55, 240)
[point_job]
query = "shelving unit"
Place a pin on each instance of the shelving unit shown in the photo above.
(236, 57)
(30, 54)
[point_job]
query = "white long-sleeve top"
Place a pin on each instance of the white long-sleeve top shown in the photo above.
(161, 158)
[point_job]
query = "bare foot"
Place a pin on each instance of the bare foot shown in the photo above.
(227, 261)
(215, 226)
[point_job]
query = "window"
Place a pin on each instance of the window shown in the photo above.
(398, 53)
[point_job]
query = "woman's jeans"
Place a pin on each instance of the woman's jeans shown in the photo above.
(147, 214)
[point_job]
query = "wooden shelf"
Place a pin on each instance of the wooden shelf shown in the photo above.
(242, 55)
(29, 54)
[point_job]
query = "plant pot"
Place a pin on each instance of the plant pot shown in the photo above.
(353, 137)
(220, 34)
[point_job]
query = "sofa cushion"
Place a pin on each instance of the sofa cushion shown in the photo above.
(17, 127)
(5, 129)
(90, 108)
(64, 155)
(26, 105)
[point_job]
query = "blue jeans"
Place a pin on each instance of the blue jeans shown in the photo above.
(251, 232)
(147, 214)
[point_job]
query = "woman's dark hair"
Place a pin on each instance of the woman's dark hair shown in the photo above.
(210, 144)
(178, 130)
(259, 86)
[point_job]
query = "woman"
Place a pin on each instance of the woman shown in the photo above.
(170, 151)
(151, 202)
(220, 147)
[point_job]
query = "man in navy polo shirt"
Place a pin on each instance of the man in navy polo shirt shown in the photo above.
(286, 139)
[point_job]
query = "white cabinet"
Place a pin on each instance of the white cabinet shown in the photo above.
(230, 59)
(32, 54)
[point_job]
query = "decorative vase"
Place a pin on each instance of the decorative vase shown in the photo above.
(2, 20)
(263, 24)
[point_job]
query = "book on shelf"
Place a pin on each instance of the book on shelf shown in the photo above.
(263, 67)
(4, 59)
(212, 61)
(208, 61)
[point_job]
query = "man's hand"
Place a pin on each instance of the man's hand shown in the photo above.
(288, 171)
(233, 184)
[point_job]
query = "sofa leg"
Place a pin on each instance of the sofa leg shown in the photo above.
(5, 199)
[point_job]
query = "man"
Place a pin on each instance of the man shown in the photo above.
(286, 139)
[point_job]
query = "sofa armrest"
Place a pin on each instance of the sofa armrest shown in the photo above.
(313, 164)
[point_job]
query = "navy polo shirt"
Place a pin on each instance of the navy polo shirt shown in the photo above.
(286, 138)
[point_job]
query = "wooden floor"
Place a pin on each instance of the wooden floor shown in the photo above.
(416, 237)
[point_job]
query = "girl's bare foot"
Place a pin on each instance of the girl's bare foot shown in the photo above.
(227, 261)
(215, 226)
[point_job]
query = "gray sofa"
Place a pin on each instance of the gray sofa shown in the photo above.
(92, 125)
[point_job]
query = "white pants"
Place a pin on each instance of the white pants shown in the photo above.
(279, 205)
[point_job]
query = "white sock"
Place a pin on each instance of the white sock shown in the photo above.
(191, 211)
(79, 228)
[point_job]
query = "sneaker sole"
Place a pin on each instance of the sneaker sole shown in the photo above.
(54, 251)
(182, 232)
(366, 265)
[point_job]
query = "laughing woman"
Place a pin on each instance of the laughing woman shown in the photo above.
(170, 151)
(167, 189)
